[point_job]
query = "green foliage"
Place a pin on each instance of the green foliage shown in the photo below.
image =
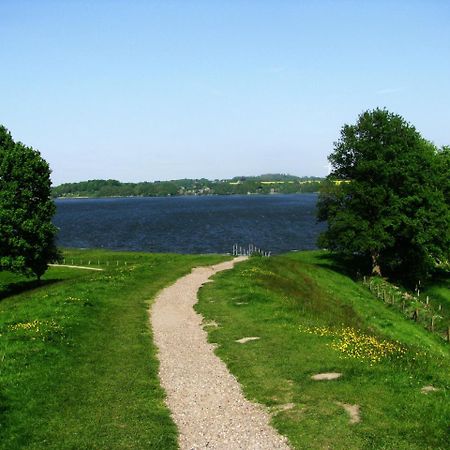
(393, 204)
(26, 232)
(444, 171)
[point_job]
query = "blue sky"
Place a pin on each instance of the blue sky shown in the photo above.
(156, 90)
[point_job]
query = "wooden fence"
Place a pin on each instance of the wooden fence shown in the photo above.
(89, 262)
(249, 250)
(415, 306)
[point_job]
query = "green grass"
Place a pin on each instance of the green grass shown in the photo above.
(77, 363)
(279, 299)
(439, 291)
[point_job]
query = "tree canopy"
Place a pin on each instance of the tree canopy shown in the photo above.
(392, 204)
(27, 235)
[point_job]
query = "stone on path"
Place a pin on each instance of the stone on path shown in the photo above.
(326, 376)
(427, 389)
(247, 339)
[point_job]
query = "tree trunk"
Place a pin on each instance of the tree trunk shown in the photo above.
(376, 270)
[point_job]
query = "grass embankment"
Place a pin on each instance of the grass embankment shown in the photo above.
(312, 319)
(77, 362)
(439, 291)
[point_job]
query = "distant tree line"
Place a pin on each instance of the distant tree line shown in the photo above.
(264, 184)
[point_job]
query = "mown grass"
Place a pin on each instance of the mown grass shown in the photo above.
(77, 363)
(311, 319)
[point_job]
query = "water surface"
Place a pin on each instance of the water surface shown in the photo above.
(205, 224)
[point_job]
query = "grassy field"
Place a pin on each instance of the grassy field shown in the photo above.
(78, 367)
(313, 319)
(77, 363)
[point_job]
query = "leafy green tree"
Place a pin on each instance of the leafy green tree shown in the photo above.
(27, 235)
(385, 198)
(444, 171)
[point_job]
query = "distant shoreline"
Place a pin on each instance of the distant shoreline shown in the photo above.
(262, 184)
(182, 195)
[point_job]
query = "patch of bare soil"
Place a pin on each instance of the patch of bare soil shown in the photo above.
(211, 323)
(352, 410)
(280, 408)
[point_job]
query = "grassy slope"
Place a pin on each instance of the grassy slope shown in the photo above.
(271, 298)
(85, 375)
(439, 291)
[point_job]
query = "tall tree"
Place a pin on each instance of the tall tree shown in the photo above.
(27, 235)
(390, 204)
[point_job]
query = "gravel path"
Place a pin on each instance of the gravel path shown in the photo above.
(206, 401)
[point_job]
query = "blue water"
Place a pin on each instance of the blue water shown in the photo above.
(209, 224)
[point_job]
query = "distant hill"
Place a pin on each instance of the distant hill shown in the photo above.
(262, 184)
(275, 177)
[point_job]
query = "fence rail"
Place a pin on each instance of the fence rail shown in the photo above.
(93, 262)
(249, 250)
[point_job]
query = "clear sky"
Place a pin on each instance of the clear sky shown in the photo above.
(156, 90)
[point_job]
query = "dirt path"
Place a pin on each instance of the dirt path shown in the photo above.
(206, 401)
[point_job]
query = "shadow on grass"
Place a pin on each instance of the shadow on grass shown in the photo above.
(353, 267)
(441, 277)
(3, 407)
(18, 287)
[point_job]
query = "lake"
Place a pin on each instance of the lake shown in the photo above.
(203, 224)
